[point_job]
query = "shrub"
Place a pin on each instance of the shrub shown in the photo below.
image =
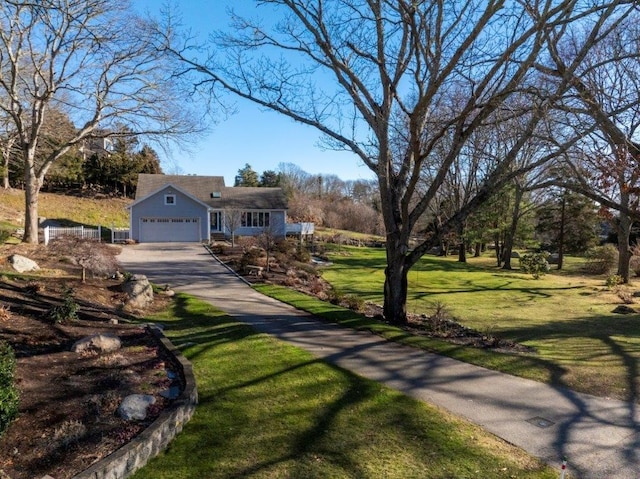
(95, 257)
(601, 259)
(69, 433)
(613, 280)
(219, 248)
(535, 264)
(354, 302)
(286, 246)
(4, 235)
(5, 314)
(8, 391)
(302, 254)
(250, 257)
(309, 269)
(335, 296)
(67, 311)
(316, 285)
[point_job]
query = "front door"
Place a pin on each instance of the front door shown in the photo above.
(216, 222)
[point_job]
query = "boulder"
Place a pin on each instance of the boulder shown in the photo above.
(134, 407)
(515, 254)
(22, 264)
(103, 343)
(624, 309)
(139, 291)
(554, 258)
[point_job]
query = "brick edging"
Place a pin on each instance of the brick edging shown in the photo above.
(149, 443)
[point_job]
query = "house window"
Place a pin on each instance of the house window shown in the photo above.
(170, 200)
(255, 219)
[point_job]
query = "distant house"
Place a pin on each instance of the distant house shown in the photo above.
(196, 208)
(96, 146)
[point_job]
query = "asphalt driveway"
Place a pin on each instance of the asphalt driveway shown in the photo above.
(600, 437)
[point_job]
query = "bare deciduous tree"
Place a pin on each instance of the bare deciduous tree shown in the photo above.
(95, 61)
(93, 256)
(403, 85)
(232, 222)
(605, 166)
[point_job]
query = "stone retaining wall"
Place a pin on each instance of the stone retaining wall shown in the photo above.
(150, 442)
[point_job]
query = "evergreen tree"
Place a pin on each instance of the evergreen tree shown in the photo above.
(269, 178)
(246, 177)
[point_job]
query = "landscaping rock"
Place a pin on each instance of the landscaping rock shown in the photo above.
(134, 407)
(22, 264)
(139, 291)
(515, 254)
(624, 309)
(103, 343)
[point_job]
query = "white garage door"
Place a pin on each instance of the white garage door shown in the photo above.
(156, 230)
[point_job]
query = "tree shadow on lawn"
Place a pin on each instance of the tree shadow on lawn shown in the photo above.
(603, 329)
(306, 448)
(201, 331)
(473, 287)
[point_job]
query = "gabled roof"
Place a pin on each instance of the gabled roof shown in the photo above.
(248, 198)
(164, 187)
(211, 191)
(200, 187)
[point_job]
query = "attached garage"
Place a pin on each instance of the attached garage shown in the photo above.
(156, 230)
(169, 215)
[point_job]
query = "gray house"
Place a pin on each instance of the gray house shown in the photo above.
(197, 208)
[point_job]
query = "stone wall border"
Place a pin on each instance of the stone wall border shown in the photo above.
(122, 463)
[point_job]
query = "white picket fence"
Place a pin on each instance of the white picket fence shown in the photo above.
(119, 235)
(52, 232)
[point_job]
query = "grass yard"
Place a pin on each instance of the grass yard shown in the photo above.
(67, 209)
(567, 317)
(270, 410)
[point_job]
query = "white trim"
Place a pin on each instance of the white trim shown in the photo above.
(169, 196)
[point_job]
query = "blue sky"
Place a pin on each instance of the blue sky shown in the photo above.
(262, 139)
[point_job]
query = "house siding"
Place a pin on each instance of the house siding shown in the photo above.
(154, 207)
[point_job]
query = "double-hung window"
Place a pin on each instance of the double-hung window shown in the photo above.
(255, 219)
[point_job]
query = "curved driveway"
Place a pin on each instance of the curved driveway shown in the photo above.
(600, 437)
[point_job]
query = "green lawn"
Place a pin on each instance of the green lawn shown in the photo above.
(68, 209)
(271, 410)
(566, 317)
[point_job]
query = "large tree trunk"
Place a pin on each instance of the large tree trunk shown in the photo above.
(511, 234)
(499, 249)
(462, 246)
(31, 191)
(395, 291)
(563, 208)
(5, 172)
(624, 232)
(462, 252)
(32, 185)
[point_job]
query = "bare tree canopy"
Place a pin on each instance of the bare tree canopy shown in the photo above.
(604, 103)
(406, 86)
(93, 60)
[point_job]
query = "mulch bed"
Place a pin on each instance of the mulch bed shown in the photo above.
(67, 414)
